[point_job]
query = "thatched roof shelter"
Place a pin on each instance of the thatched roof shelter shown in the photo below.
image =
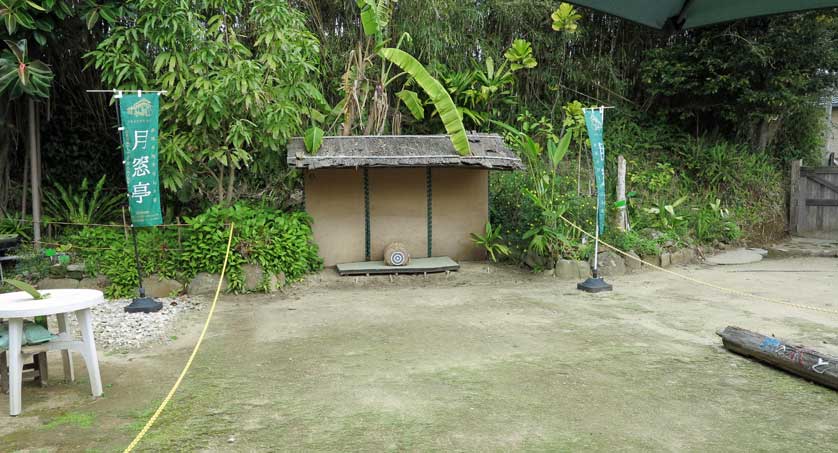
(488, 151)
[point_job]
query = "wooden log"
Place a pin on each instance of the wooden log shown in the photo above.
(396, 254)
(799, 360)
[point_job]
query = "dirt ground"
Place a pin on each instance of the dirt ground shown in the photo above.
(487, 359)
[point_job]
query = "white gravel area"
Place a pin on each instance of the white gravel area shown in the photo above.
(116, 330)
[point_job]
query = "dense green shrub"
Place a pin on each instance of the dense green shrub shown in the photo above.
(682, 191)
(632, 241)
(275, 240)
(108, 251)
(507, 208)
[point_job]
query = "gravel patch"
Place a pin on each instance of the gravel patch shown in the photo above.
(116, 330)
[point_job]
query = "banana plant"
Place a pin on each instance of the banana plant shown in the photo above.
(375, 16)
(492, 242)
(665, 215)
(439, 96)
(19, 75)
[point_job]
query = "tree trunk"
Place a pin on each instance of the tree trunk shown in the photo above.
(766, 131)
(5, 147)
(4, 170)
(220, 185)
(24, 195)
(231, 181)
(34, 177)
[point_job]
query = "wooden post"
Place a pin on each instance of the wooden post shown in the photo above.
(794, 197)
(622, 211)
(798, 360)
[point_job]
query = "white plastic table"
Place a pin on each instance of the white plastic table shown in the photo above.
(17, 306)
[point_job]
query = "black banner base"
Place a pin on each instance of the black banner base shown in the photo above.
(143, 305)
(594, 285)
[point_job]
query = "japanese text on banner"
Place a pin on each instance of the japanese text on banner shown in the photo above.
(139, 116)
(593, 119)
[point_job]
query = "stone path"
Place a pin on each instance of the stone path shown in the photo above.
(738, 256)
(803, 247)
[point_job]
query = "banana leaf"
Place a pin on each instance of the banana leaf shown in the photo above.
(440, 98)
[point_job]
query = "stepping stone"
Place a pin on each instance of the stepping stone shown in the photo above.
(740, 256)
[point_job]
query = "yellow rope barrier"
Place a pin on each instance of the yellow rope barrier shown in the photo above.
(165, 402)
(701, 282)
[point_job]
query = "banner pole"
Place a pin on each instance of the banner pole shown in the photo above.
(137, 261)
(594, 121)
(596, 243)
(142, 304)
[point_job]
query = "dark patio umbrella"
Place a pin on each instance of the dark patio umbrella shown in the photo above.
(680, 14)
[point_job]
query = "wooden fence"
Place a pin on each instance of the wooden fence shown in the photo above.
(813, 206)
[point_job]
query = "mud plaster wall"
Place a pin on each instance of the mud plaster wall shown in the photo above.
(335, 200)
(398, 211)
(460, 207)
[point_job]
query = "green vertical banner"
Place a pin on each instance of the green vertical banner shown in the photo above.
(593, 120)
(139, 115)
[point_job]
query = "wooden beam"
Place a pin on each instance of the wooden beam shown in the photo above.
(806, 363)
(821, 202)
(818, 171)
(823, 182)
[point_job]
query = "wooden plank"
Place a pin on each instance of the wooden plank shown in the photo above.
(821, 202)
(416, 266)
(798, 360)
(823, 182)
(795, 216)
(806, 171)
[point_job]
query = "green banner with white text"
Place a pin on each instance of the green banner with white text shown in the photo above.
(593, 120)
(139, 115)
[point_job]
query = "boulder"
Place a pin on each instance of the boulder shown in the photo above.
(632, 263)
(254, 278)
(57, 271)
(690, 255)
(157, 286)
(100, 282)
(278, 281)
(651, 259)
(583, 269)
(75, 271)
(567, 269)
(253, 275)
(677, 258)
(58, 283)
(666, 259)
(611, 264)
(536, 261)
(205, 283)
